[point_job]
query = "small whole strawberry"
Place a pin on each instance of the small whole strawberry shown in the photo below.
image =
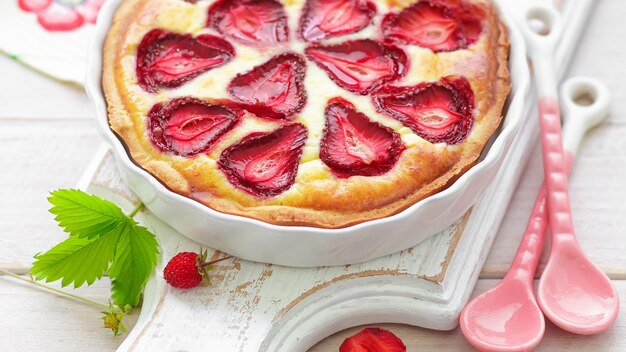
(189, 269)
(373, 340)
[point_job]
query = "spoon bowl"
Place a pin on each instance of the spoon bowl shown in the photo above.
(505, 318)
(574, 293)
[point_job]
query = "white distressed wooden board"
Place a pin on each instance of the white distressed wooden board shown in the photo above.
(260, 307)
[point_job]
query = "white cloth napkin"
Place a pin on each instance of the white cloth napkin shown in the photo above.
(50, 36)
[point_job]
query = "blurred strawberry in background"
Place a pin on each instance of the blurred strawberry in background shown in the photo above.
(62, 15)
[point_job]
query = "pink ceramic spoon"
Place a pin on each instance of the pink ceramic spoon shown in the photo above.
(573, 293)
(507, 317)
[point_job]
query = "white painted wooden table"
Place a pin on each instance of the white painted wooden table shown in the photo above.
(47, 139)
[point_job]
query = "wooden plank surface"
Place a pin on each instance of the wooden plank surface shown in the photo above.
(72, 326)
(39, 155)
(27, 94)
(37, 320)
(47, 139)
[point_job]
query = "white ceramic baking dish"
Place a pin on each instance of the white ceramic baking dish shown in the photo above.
(307, 246)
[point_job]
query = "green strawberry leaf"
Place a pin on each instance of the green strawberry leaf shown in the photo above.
(135, 257)
(77, 259)
(102, 238)
(84, 215)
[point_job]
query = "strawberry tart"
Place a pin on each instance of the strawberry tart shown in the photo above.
(321, 113)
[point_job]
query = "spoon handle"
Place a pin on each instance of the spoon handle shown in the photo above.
(555, 170)
(528, 253)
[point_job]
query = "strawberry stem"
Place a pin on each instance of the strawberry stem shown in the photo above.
(136, 210)
(216, 261)
(87, 300)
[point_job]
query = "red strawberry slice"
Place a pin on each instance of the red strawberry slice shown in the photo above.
(322, 19)
(352, 144)
(251, 22)
(440, 25)
(274, 89)
(373, 340)
(360, 66)
(265, 164)
(189, 126)
(436, 111)
(167, 59)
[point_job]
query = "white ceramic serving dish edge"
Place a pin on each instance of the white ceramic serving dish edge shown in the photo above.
(255, 240)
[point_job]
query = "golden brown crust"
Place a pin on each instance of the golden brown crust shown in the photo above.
(317, 198)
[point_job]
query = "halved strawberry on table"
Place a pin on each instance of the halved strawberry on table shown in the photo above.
(352, 144)
(274, 89)
(189, 126)
(265, 164)
(251, 22)
(439, 112)
(323, 19)
(440, 25)
(360, 66)
(168, 59)
(373, 340)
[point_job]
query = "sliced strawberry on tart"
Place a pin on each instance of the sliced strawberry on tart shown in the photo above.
(436, 111)
(439, 25)
(189, 126)
(274, 89)
(323, 19)
(306, 112)
(265, 164)
(250, 22)
(169, 59)
(352, 144)
(360, 66)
